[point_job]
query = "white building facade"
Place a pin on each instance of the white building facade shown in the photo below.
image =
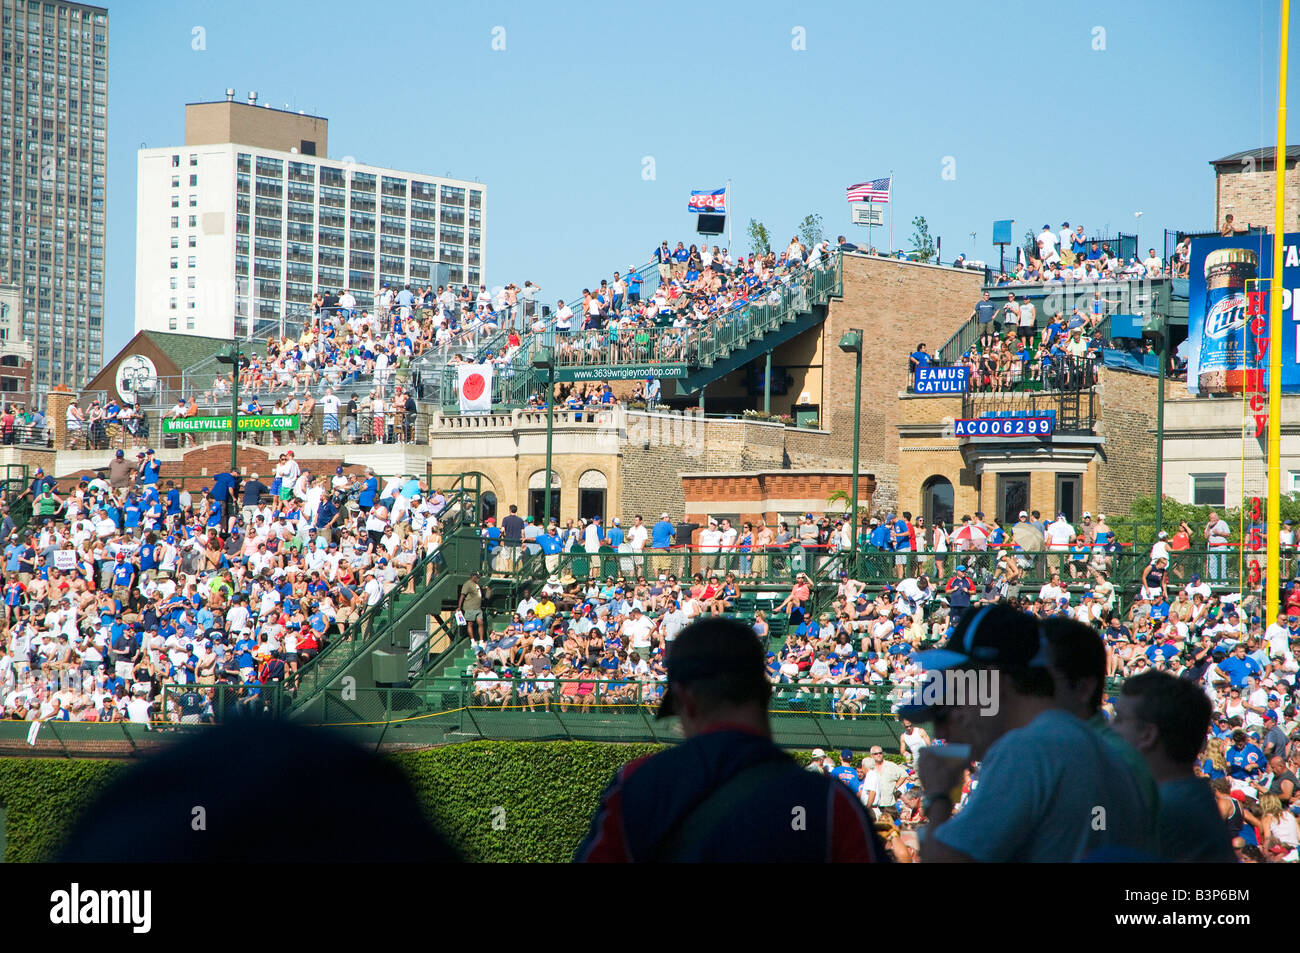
(230, 239)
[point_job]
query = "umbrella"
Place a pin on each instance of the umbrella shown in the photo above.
(972, 535)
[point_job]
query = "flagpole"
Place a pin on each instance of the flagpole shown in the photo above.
(891, 212)
(728, 203)
(1273, 550)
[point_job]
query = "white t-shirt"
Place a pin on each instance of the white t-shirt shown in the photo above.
(1028, 318)
(1059, 534)
(710, 540)
(636, 537)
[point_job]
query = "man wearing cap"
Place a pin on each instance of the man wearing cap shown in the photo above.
(817, 763)
(710, 543)
(121, 472)
(959, 590)
(717, 796)
(1045, 778)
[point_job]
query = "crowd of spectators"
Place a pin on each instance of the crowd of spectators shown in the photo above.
(700, 291)
(124, 582)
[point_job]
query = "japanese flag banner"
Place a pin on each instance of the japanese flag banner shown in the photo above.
(474, 382)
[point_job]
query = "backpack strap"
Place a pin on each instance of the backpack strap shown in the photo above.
(706, 815)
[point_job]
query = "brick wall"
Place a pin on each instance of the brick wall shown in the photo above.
(896, 304)
(1127, 421)
(769, 495)
(1248, 196)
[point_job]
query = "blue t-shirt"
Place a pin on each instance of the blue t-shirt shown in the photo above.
(123, 574)
(1238, 669)
(12, 553)
(614, 536)
(904, 540)
(848, 775)
(550, 545)
(1244, 762)
(661, 535)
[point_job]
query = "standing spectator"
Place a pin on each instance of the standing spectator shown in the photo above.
(1028, 735)
(703, 800)
(1216, 536)
(985, 313)
(512, 536)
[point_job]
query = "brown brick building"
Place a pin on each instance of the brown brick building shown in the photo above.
(1244, 187)
(1103, 468)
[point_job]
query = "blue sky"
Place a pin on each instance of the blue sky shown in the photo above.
(1039, 125)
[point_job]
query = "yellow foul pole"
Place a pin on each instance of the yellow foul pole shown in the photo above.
(1273, 574)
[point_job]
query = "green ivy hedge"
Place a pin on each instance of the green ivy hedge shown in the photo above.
(497, 801)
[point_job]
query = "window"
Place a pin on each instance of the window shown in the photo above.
(176, 241)
(176, 221)
(1013, 495)
(176, 201)
(194, 160)
(1207, 489)
(937, 501)
(193, 261)
(1067, 497)
(176, 181)
(194, 221)
(176, 263)
(194, 180)
(193, 241)
(194, 201)
(1293, 481)
(176, 162)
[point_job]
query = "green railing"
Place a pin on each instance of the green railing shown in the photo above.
(771, 566)
(465, 708)
(15, 478)
(515, 383)
(1220, 569)
(460, 539)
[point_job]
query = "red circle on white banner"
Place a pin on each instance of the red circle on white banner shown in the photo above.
(473, 386)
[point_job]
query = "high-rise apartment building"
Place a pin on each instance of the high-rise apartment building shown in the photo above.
(243, 223)
(53, 168)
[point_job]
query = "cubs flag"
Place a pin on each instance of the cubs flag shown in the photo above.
(474, 382)
(711, 201)
(877, 190)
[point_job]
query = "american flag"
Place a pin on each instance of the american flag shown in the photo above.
(877, 190)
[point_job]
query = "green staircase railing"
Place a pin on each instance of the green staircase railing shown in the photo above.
(461, 550)
(515, 383)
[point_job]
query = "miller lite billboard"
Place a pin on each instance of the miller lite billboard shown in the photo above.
(1227, 314)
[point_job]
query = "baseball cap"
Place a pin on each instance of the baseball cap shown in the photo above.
(996, 636)
(818, 753)
(663, 516)
(961, 568)
(1024, 515)
(713, 647)
(846, 754)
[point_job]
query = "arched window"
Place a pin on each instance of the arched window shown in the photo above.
(936, 501)
(537, 495)
(591, 495)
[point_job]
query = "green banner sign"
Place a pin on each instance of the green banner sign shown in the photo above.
(216, 424)
(620, 372)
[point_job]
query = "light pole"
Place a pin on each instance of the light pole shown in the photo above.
(851, 343)
(1137, 235)
(544, 360)
(233, 360)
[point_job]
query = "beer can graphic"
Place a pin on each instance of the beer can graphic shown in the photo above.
(1229, 358)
